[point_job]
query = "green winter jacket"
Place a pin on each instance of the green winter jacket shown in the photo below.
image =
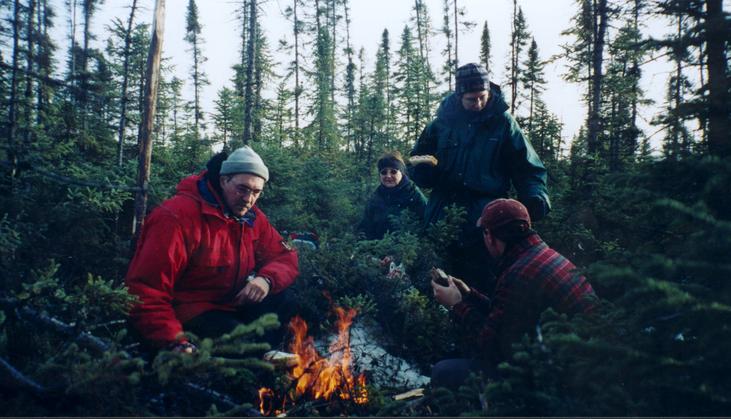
(479, 155)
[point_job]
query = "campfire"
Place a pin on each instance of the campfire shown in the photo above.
(315, 377)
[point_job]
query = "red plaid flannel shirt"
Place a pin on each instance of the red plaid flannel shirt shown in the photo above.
(533, 277)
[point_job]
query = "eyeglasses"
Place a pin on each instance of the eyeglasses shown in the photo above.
(386, 172)
(243, 190)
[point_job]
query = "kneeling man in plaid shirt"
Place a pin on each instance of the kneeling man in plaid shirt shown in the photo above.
(531, 278)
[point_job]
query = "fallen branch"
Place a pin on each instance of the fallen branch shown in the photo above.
(19, 379)
(97, 344)
(84, 338)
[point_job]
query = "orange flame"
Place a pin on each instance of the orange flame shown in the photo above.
(322, 377)
(265, 401)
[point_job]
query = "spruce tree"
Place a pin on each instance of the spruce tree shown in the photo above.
(623, 93)
(519, 37)
(224, 116)
(294, 67)
(46, 49)
(425, 74)
(448, 51)
(601, 23)
(407, 90)
(251, 49)
(678, 139)
(349, 83)
(125, 81)
(533, 81)
(198, 76)
(485, 49)
(322, 106)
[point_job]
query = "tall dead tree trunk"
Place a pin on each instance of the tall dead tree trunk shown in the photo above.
(148, 116)
(719, 124)
(125, 81)
(251, 61)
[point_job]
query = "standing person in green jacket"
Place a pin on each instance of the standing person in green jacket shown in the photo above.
(470, 155)
(395, 194)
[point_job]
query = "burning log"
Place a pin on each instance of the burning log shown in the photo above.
(315, 377)
(322, 377)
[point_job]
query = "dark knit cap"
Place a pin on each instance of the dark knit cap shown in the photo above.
(392, 160)
(471, 77)
(502, 211)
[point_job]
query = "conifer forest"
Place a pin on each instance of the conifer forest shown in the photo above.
(99, 126)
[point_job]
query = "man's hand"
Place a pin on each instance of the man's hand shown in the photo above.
(461, 286)
(450, 295)
(423, 159)
(254, 291)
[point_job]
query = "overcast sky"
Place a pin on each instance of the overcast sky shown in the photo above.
(546, 20)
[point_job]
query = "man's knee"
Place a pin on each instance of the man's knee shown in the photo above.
(452, 373)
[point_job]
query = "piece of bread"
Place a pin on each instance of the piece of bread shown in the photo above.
(423, 159)
(279, 358)
(439, 276)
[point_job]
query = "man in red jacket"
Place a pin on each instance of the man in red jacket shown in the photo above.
(531, 278)
(208, 259)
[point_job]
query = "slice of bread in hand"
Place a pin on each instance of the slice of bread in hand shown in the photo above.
(426, 158)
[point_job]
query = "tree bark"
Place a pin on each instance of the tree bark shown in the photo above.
(145, 140)
(719, 125)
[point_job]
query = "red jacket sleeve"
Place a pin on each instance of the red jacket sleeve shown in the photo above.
(160, 258)
(275, 259)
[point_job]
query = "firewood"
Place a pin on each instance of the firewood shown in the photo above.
(417, 392)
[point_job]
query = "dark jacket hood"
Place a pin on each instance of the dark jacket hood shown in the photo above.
(189, 186)
(451, 110)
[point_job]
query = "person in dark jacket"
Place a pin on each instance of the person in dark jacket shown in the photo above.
(395, 194)
(208, 259)
(470, 155)
(532, 277)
